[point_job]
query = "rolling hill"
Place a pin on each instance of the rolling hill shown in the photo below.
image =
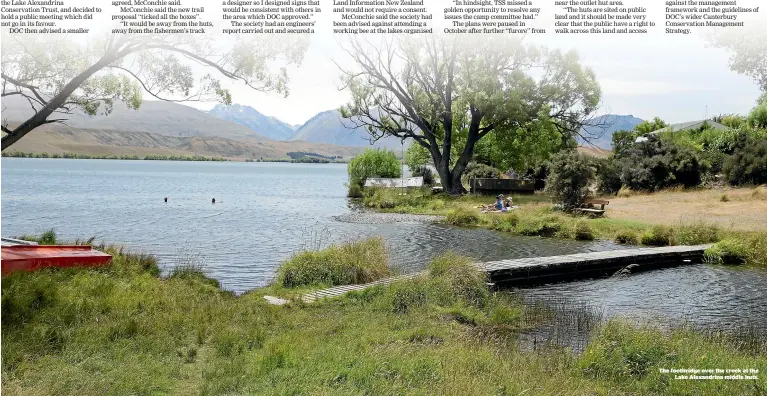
(163, 118)
(57, 138)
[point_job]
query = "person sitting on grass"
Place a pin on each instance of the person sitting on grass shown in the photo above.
(498, 206)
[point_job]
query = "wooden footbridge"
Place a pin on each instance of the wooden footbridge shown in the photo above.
(538, 270)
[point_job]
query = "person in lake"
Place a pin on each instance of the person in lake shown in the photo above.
(214, 200)
(166, 199)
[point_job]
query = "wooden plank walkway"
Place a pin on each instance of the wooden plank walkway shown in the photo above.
(551, 268)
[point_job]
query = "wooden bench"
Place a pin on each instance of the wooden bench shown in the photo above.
(589, 207)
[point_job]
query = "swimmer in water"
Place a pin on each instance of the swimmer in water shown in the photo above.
(214, 200)
(166, 199)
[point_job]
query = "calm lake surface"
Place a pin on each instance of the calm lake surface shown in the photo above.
(265, 212)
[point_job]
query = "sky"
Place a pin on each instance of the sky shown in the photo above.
(674, 77)
(677, 79)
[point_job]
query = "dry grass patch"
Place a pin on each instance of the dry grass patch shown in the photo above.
(745, 209)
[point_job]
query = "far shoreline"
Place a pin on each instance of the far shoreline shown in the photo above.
(150, 157)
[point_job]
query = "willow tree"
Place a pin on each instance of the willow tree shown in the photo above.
(59, 74)
(748, 51)
(446, 91)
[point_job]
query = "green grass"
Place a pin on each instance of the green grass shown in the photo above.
(751, 249)
(124, 330)
(658, 235)
(626, 237)
(535, 217)
(354, 262)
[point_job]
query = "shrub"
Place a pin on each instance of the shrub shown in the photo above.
(625, 192)
(658, 236)
(583, 231)
(609, 176)
(626, 237)
(480, 171)
(748, 165)
(757, 119)
(355, 191)
(416, 156)
(373, 163)
(655, 165)
(47, 238)
(426, 173)
(461, 217)
(341, 264)
(570, 175)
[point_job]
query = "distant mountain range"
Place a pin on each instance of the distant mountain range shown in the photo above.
(327, 127)
(330, 128)
(269, 127)
(156, 128)
(235, 131)
(600, 130)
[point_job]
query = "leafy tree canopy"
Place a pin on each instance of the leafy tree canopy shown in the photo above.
(58, 74)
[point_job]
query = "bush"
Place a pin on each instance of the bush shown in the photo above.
(583, 231)
(570, 175)
(355, 191)
(345, 264)
(480, 171)
(373, 163)
(656, 165)
(426, 173)
(609, 176)
(626, 237)
(748, 165)
(461, 217)
(658, 236)
(757, 119)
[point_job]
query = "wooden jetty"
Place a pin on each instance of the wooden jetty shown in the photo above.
(538, 270)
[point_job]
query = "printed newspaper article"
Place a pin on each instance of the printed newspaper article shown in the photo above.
(454, 197)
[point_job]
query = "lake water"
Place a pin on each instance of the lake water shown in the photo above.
(265, 212)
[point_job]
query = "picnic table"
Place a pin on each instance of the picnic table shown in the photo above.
(590, 207)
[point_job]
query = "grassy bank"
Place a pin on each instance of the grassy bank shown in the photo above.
(535, 217)
(124, 330)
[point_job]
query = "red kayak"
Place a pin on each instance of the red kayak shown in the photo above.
(33, 257)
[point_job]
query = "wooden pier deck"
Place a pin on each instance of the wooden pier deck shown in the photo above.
(555, 268)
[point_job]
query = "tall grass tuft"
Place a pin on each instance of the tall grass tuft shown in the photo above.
(583, 231)
(748, 250)
(626, 237)
(461, 217)
(456, 279)
(697, 233)
(355, 262)
(658, 236)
